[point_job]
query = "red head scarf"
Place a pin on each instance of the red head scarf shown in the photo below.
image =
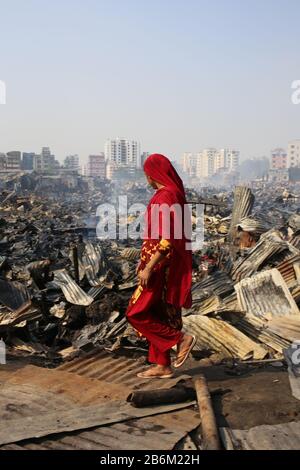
(160, 169)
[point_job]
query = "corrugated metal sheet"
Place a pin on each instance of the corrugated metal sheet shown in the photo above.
(13, 294)
(257, 328)
(96, 334)
(132, 254)
(73, 293)
(218, 283)
(56, 389)
(286, 327)
(96, 292)
(276, 437)
(295, 241)
(130, 279)
(116, 369)
(229, 304)
(25, 312)
(242, 206)
(270, 245)
(152, 433)
(78, 418)
(266, 295)
(287, 269)
(254, 224)
(2, 261)
(204, 307)
(92, 264)
(296, 294)
(220, 336)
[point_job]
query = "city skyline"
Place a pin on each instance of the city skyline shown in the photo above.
(140, 153)
(175, 75)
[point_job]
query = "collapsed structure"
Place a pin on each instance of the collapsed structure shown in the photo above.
(64, 293)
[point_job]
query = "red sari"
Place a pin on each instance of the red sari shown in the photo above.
(155, 311)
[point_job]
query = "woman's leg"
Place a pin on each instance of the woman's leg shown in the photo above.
(158, 334)
(157, 357)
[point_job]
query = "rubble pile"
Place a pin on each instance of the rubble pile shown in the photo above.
(59, 286)
(62, 290)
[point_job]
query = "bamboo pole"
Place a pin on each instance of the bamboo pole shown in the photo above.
(209, 428)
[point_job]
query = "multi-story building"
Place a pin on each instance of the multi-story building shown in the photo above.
(232, 160)
(71, 162)
(278, 175)
(123, 152)
(37, 163)
(185, 161)
(27, 160)
(207, 162)
(2, 161)
(210, 161)
(199, 165)
(45, 162)
(48, 160)
(13, 161)
(189, 163)
(220, 160)
(144, 157)
(294, 154)
(278, 159)
(226, 160)
(96, 166)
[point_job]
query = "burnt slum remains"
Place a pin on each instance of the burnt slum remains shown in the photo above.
(63, 296)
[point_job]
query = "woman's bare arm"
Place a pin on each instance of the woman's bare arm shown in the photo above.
(162, 251)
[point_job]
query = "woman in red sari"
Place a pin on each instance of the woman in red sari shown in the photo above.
(164, 271)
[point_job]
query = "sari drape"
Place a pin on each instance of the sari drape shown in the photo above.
(155, 311)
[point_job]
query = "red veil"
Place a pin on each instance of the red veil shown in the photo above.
(160, 169)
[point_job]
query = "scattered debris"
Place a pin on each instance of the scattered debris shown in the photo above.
(63, 292)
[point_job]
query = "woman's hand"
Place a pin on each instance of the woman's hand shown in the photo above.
(144, 276)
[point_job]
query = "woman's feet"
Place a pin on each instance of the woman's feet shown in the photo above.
(183, 349)
(156, 372)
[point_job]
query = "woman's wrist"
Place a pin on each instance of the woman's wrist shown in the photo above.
(148, 268)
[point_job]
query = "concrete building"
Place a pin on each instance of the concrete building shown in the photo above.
(144, 157)
(220, 160)
(13, 161)
(185, 161)
(123, 152)
(278, 175)
(48, 160)
(294, 154)
(226, 159)
(96, 166)
(111, 168)
(278, 159)
(209, 162)
(2, 161)
(28, 160)
(45, 162)
(232, 160)
(71, 162)
(37, 163)
(189, 164)
(206, 163)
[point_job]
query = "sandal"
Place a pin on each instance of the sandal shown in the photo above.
(182, 357)
(144, 375)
